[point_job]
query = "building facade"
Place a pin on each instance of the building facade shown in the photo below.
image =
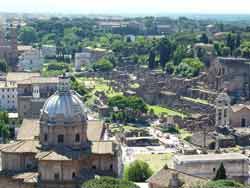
(8, 96)
(236, 165)
(66, 152)
(31, 61)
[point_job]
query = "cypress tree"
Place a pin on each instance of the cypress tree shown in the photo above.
(221, 173)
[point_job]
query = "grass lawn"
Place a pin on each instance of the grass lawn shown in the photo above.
(155, 161)
(158, 110)
(135, 86)
(201, 101)
(184, 134)
(96, 85)
(45, 72)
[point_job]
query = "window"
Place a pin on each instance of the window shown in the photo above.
(214, 169)
(45, 137)
(60, 138)
(56, 176)
(111, 167)
(73, 175)
(225, 113)
(28, 166)
(77, 138)
(219, 115)
(93, 167)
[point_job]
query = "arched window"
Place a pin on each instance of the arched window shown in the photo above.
(60, 139)
(77, 138)
(45, 137)
(56, 176)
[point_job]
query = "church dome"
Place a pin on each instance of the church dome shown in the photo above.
(64, 105)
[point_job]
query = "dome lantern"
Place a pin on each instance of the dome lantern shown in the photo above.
(64, 84)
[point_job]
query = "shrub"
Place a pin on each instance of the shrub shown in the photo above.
(108, 182)
(223, 184)
(103, 65)
(138, 171)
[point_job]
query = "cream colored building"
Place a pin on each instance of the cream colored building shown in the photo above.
(240, 115)
(236, 165)
(61, 149)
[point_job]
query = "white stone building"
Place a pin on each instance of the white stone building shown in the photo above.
(8, 96)
(49, 51)
(31, 61)
(82, 58)
(235, 164)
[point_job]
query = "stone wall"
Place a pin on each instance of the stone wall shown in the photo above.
(8, 182)
(18, 162)
(67, 171)
(236, 169)
(237, 118)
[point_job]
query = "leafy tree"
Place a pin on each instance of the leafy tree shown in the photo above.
(103, 65)
(189, 67)
(222, 184)
(27, 35)
(166, 51)
(180, 53)
(138, 171)
(3, 65)
(203, 38)
(225, 51)
(130, 108)
(4, 129)
(108, 182)
(151, 60)
(55, 68)
(221, 173)
(123, 102)
(4, 117)
(201, 52)
(238, 40)
(79, 88)
(170, 68)
(230, 42)
(217, 48)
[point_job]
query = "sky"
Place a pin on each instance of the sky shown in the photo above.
(127, 6)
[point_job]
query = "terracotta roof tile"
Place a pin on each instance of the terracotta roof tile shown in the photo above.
(26, 146)
(162, 178)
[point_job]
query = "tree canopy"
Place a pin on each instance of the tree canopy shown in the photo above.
(27, 35)
(108, 182)
(133, 102)
(221, 173)
(223, 184)
(103, 65)
(137, 171)
(3, 65)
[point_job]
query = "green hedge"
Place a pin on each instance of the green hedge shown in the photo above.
(108, 182)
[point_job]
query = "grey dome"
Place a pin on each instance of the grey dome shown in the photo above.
(67, 105)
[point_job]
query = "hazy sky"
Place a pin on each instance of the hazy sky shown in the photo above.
(127, 6)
